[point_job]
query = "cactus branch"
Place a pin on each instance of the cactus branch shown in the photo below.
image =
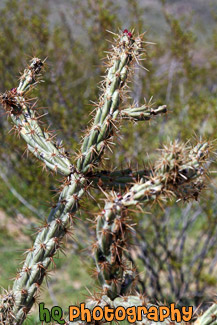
(142, 113)
(125, 50)
(209, 317)
(176, 167)
(40, 256)
(23, 115)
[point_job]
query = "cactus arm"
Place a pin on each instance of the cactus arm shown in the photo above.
(108, 250)
(209, 317)
(176, 168)
(30, 76)
(40, 256)
(39, 142)
(142, 113)
(48, 240)
(125, 49)
(126, 302)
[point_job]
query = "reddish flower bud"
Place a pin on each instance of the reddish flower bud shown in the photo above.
(129, 34)
(125, 31)
(14, 90)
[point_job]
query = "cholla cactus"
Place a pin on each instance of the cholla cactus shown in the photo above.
(179, 172)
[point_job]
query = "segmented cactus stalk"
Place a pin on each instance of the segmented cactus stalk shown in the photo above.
(124, 51)
(209, 317)
(26, 122)
(16, 304)
(48, 241)
(142, 113)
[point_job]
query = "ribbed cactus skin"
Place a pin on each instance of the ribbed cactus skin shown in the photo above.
(39, 142)
(209, 317)
(113, 274)
(40, 256)
(48, 241)
(102, 128)
(142, 113)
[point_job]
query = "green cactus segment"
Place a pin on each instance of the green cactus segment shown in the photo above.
(142, 113)
(124, 51)
(209, 317)
(47, 242)
(30, 76)
(130, 301)
(113, 273)
(176, 167)
(49, 237)
(39, 142)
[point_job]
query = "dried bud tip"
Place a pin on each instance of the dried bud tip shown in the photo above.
(36, 65)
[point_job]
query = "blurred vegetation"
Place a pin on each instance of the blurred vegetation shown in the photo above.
(182, 74)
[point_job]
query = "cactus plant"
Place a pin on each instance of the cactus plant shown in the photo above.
(179, 172)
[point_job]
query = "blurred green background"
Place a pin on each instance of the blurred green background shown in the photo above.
(175, 248)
